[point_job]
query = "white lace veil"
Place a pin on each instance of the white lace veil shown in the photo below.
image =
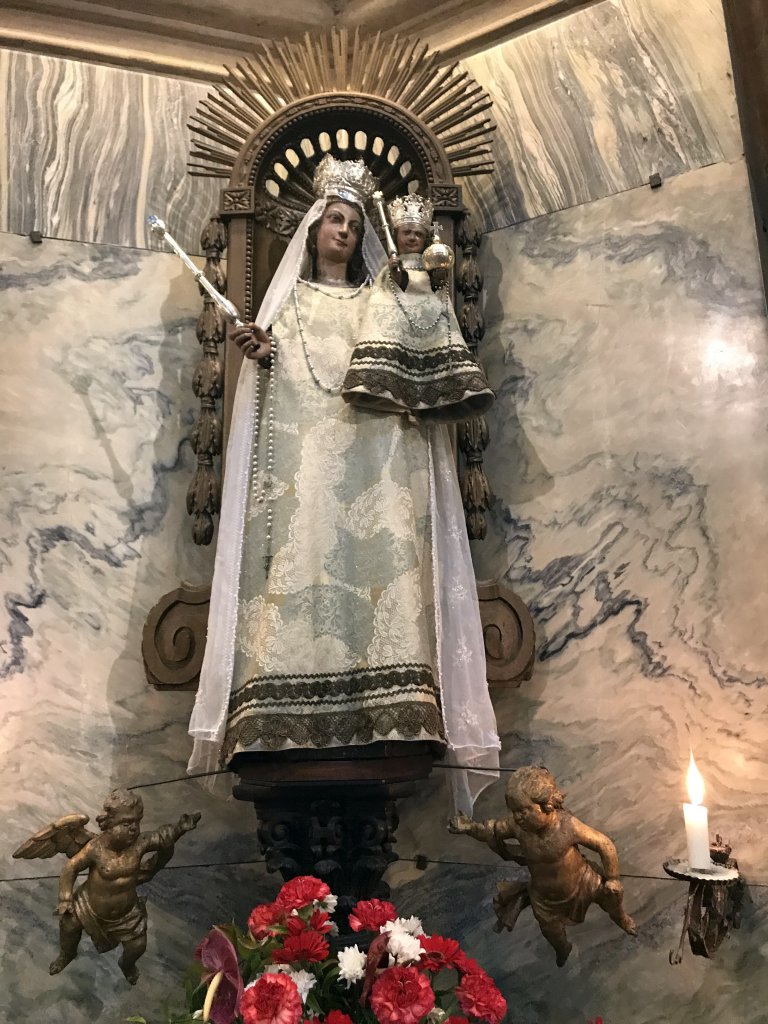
(470, 725)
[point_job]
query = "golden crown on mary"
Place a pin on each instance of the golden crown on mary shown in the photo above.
(350, 180)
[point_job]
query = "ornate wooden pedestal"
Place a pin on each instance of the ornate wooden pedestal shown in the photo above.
(332, 813)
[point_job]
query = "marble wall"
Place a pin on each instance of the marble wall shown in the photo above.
(89, 152)
(593, 104)
(629, 466)
(627, 342)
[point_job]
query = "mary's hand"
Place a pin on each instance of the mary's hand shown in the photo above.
(253, 341)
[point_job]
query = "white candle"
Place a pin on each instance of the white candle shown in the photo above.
(696, 825)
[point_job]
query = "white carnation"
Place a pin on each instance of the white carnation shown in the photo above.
(412, 925)
(329, 903)
(409, 925)
(352, 963)
(405, 948)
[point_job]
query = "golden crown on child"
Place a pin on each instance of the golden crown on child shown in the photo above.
(411, 209)
(350, 180)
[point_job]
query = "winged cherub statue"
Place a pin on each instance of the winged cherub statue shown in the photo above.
(563, 883)
(106, 905)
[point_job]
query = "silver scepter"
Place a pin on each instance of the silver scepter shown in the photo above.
(378, 198)
(229, 309)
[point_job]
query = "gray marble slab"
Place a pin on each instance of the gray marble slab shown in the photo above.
(88, 152)
(595, 103)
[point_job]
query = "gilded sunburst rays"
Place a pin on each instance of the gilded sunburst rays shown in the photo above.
(446, 100)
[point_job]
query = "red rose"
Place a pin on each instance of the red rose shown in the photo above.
(337, 1017)
(263, 918)
(306, 946)
(302, 891)
(479, 998)
(370, 915)
(273, 999)
(438, 952)
(401, 995)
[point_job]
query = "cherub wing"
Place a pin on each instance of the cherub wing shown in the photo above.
(65, 835)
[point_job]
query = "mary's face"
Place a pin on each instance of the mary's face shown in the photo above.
(339, 232)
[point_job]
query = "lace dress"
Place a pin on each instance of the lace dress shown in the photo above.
(411, 356)
(335, 644)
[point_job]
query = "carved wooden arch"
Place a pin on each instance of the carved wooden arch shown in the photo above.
(331, 112)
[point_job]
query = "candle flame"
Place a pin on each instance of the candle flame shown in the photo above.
(695, 783)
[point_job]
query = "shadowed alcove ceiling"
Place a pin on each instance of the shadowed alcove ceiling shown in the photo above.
(193, 38)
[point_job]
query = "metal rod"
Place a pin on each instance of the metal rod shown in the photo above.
(228, 308)
(378, 198)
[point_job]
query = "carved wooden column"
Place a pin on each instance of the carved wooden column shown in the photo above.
(204, 494)
(473, 434)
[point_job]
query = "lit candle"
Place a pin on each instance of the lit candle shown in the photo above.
(696, 825)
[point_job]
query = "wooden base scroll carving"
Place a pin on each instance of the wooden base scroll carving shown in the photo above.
(173, 641)
(508, 632)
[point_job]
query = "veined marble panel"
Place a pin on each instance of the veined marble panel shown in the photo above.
(596, 102)
(88, 152)
(99, 350)
(629, 464)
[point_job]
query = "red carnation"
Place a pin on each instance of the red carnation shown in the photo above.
(262, 919)
(370, 915)
(466, 965)
(438, 952)
(273, 999)
(308, 947)
(479, 998)
(337, 1017)
(401, 995)
(302, 891)
(320, 922)
(456, 1020)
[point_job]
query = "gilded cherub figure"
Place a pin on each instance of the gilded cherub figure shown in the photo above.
(106, 905)
(563, 883)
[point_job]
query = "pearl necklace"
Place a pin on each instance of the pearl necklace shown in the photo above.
(262, 488)
(329, 389)
(419, 328)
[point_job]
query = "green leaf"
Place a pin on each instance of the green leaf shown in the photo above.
(136, 1020)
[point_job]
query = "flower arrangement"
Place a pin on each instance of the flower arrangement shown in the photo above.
(282, 971)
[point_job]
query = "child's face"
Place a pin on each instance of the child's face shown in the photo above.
(411, 238)
(529, 816)
(123, 831)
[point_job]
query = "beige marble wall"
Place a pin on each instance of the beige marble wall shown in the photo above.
(595, 103)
